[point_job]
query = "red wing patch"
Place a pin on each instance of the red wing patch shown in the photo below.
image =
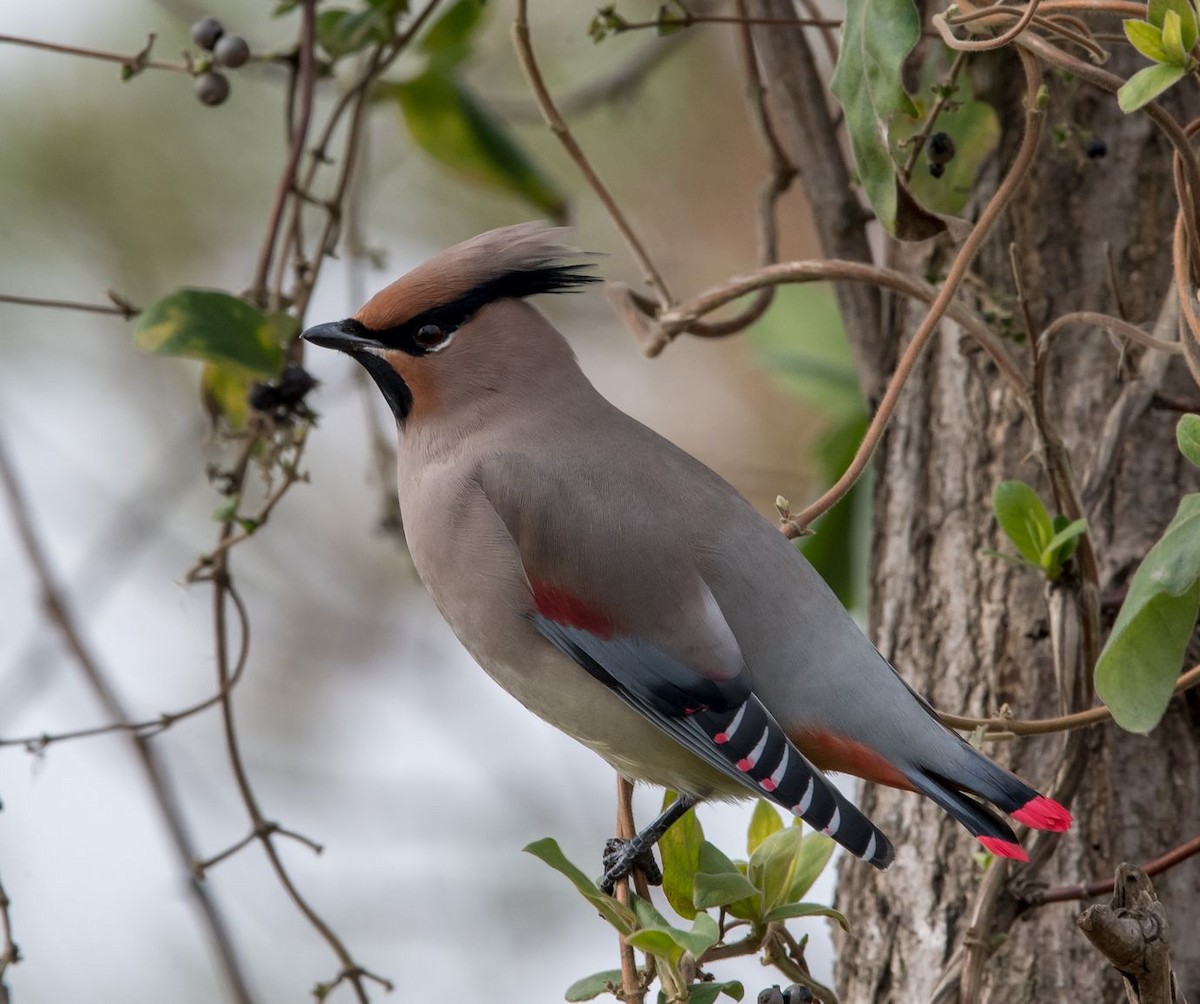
(569, 610)
(830, 751)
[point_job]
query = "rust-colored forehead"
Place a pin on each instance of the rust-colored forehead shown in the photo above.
(529, 250)
(431, 285)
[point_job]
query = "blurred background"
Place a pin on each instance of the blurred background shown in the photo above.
(364, 725)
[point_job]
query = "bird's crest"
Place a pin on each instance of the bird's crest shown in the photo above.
(516, 261)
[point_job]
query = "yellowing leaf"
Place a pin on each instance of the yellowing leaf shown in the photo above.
(877, 36)
(215, 327)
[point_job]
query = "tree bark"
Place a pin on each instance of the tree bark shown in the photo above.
(972, 632)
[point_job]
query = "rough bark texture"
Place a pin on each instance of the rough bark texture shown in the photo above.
(971, 632)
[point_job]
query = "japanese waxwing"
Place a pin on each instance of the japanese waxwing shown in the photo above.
(621, 590)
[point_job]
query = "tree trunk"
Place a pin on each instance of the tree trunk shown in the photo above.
(972, 632)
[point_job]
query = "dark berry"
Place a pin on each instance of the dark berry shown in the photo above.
(211, 88)
(939, 148)
(207, 31)
(937, 170)
(1095, 147)
(231, 51)
(285, 393)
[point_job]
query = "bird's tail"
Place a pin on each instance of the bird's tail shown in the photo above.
(975, 774)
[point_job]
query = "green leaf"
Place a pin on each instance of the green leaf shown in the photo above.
(656, 937)
(1172, 38)
(877, 36)
(342, 32)
(1147, 40)
(1187, 435)
(1146, 85)
(1056, 548)
(591, 987)
(212, 326)
(224, 390)
(680, 851)
(815, 852)
(1137, 670)
(1156, 14)
(791, 910)
(722, 889)
(450, 37)
(764, 821)
(1023, 518)
(773, 865)
(616, 913)
(453, 126)
(706, 993)
(655, 941)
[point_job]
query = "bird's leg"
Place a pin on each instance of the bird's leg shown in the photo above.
(622, 856)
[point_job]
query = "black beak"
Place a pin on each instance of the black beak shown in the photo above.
(351, 337)
(345, 336)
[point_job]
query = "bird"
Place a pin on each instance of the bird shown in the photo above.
(620, 589)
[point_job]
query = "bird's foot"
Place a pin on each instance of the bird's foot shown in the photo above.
(623, 856)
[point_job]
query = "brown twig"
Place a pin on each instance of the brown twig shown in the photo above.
(679, 319)
(119, 306)
(299, 136)
(134, 64)
(958, 269)
(632, 990)
(58, 612)
(687, 20)
(264, 830)
(10, 954)
(556, 124)
(1009, 727)
(1102, 887)
(621, 82)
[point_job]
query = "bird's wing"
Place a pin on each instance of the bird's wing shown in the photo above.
(720, 720)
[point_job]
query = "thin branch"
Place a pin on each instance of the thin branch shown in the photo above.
(632, 990)
(533, 74)
(1008, 727)
(1102, 887)
(618, 83)
(1136, 396)
(817, 270)
(287, 180)
(119, 306)
(59, 614)
(985, 44)
(958, 269)
(149, 727)
(948, 86)
(687, 20)
(134, 64)
(783, 173)
(10, 955)
(1113, 325)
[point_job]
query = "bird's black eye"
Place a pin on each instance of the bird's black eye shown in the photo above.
(430, 336)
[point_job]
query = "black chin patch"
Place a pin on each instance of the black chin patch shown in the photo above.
(395, 391)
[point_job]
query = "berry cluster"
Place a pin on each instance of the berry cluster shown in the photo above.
(231, 51)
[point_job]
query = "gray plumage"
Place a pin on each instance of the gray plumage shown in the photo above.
(616, 586)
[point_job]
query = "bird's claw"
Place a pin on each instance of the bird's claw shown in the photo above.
(623, 856)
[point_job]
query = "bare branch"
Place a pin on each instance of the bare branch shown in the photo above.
(59, 614)
(524, 47)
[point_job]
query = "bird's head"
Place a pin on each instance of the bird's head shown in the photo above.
(442, 332)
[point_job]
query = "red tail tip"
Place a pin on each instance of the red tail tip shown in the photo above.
(1004, 848)
(1044, 813)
